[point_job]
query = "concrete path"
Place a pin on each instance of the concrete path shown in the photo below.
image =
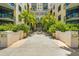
(36, 45)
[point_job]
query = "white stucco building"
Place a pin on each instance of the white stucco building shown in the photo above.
(40, 9)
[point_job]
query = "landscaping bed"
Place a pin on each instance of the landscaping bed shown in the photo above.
(67, 33)
(12, 33)
(70, 38)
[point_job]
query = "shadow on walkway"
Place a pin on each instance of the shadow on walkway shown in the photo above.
(2, 48)
(75, 53)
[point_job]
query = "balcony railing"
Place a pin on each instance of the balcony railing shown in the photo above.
(7, 19)
(72, 5)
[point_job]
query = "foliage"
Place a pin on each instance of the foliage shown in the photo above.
(60, 26)
(6, 27)
(23, 27)
(14, 28)
(52, 29)
(72, 27)
(29, 18)
(2, 28)
(50, 24)
(47, 20)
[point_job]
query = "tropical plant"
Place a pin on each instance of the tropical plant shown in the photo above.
(60, 26)
(15, 28)
(23, 27)
(29, 18)
(24, 16)
(47, 20)
(52, 29)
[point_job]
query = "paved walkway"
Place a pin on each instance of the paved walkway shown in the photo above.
(37, 45)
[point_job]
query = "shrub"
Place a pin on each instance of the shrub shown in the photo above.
(72, 27)
(23, 27)
(14, 28)
(52, 29)
(60, 26)
(2, 28)
(47, 21)
(9, 27)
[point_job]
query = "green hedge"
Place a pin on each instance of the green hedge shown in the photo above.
(14, 28)
(63, 27)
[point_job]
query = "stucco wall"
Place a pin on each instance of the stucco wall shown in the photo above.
(70, 38)
(8, 37)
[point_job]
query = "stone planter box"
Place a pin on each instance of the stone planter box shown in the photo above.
(54, 35)
(70, 38)
(24, 35)
(8, 37)
(21, 35)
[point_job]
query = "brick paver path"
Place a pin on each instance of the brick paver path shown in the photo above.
(36, 45)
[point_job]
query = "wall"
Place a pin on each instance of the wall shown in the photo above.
(70, 38)
(8, 37)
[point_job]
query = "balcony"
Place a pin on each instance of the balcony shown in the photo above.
(7, 19)
(72, 5)
(6, 5)
(74, 20)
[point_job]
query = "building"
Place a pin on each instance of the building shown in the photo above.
(72, 13)
(20, 7)
(40, 9)
(6, 13)
(65, 12)
(59, 11)
(9, 12)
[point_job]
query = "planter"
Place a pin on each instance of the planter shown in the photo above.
(70, 38)
(21, 35)
(24, 35)
(8, 37)
(53, 35)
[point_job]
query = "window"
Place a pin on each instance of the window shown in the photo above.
(12, 4)
(34, 6)
(5, 12)
(45, 6)
(59, 8)
(20, 8)
(54, 7)
(54, 13)
(72, 13)
(67, 4)
(59, 17)
(25, 7)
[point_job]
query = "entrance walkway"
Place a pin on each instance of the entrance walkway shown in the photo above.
(38, 44)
